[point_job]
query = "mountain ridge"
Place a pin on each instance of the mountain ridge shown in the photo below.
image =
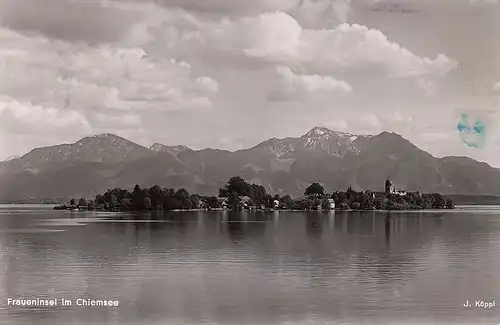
(287, 165)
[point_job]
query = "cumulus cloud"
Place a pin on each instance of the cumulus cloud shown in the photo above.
(364, 123)
(105, 66)
(106, 79)
(342, 9)
(26, 118)
(66, 19)
(297, 86)
(496, 86)
(278, 38)
(478, 2)
(337, 124)
(432, 137)
(428, 87)
(239, 7)
(326, 12)
(208, 83)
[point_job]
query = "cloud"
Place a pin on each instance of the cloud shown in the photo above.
(26, 118)
(66, 19)
(478, 2)
(277, 38)
(95, 81)
(432, 137)
(304, 87)
(235, 7)
(370, 121)
(108, 65)
(342, 9)
(496, 87)
(428, 87)
(128, 121)
(208, 84)
(364, 123)
(337, 125)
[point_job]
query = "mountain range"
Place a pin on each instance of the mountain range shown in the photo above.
(335, 159)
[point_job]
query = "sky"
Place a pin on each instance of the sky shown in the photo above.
(230, 74)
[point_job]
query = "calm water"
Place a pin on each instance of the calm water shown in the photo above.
(253, 268)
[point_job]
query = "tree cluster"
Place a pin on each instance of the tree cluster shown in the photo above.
(154, 198)
(237, 187)
(239, 194)
(365, 200)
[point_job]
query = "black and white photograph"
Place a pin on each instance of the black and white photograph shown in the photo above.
(249, 162)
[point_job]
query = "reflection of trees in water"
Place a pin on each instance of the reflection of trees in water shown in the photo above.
(235, 230)
(387, 229)
(404, 234)
(314, 225)
(248, 225)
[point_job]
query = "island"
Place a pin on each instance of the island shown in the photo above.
(239, 195)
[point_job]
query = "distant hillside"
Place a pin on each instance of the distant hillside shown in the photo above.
(336, 159)
(475, 199)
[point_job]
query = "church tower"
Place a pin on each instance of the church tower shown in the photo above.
(389, 188)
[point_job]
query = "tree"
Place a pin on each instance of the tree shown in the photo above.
(223, 192)
(182, 194)
(344, 206)
(195, 200)
(90, 205)
(286, 201)
(269, 201)
(146, 203)
(187, 204)
(213, 202)
(156, 195)
(316, 203)
(449, 204)
(233, 201)
(355, 205)
(315, 189)
(82, 202)
(325, 204)
(439, 201)
(350, 194)
(126, 204)
(238, 185)
(137, 196)
(305, 204)
(339, 197)
(380, 203)
(172, 203)
(72, 202)
(169, 192)
(258, 194)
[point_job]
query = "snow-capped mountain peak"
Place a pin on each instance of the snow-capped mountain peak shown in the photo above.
(323, 141)
(319, 141)
(325, 132)
(173, 150)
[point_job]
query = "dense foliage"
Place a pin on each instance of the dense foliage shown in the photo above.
(237, 187)
(154, 198)
(237, 194)
(366, 200)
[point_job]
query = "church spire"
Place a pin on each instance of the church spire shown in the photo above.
(388, 186)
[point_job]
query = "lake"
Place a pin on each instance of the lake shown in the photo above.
(251, 268)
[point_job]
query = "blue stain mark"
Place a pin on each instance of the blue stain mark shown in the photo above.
(473, 136)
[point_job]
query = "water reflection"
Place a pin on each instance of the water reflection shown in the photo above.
(255, 268)
(314, 225)
(235, 226)
(388, 229)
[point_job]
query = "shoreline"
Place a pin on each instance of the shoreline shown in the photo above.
(258, 210)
